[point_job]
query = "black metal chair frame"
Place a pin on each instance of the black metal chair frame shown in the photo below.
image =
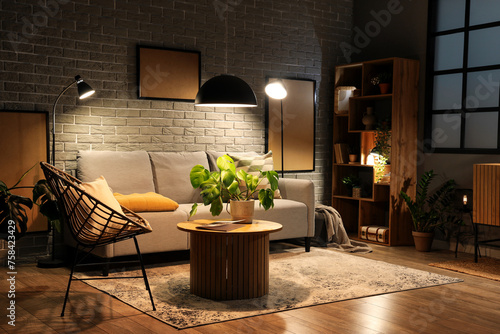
(93, 223)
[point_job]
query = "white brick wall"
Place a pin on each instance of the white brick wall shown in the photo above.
(43, 48)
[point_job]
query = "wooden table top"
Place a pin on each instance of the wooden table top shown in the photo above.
(258, 226)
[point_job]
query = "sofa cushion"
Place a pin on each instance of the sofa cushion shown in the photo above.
(253, 164)
(126, 172)
(171, 174)
(148, 202)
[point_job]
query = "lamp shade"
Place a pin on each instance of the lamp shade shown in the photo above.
(276, 90)
(225, 91)
(84, 90)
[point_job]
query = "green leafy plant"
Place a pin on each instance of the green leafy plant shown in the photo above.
(351, 181)
(221, 186)
(429, 211)
(382, 77)
(13, 207)
(383, 149)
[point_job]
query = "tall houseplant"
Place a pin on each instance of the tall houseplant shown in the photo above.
(430, 211)
(13, 207)
(221, 186)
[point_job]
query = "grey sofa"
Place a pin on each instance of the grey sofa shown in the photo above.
(167, 173)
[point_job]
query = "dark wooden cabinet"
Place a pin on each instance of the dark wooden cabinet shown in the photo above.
(378, 203)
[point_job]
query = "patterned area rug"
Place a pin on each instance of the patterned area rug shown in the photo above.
(297, 279)
(486, 267)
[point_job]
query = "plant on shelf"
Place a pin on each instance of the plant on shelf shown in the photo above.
(13, 207)
(221, 186)
(382, 149)
(383, 80)
(351, 181)
(431, 211)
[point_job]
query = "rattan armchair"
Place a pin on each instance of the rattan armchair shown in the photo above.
(92, 223)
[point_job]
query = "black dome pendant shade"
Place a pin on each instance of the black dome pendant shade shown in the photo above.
(226, 91)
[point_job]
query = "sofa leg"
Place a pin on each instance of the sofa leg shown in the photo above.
(105, 268)
(308, 244)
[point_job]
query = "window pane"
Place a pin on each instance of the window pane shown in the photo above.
(447, 92)
(446, 130)
(484, 11)
(481, 130)
(483, 89)
(450, 14)
(449, 52)
(484, 47)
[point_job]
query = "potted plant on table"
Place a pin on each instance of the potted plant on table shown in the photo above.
(430, 211)
(223, 186)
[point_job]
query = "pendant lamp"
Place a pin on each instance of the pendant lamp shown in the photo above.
(226, 91)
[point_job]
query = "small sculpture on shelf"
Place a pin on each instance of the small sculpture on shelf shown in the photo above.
(368, 118)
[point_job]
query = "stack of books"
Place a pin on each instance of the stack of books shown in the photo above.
(341, 153)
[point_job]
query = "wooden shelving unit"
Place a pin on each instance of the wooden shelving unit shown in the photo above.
(380, 203)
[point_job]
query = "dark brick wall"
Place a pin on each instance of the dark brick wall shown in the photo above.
(46, 43)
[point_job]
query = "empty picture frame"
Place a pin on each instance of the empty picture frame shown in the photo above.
(168, 74)
(24, 138)
(291, 138)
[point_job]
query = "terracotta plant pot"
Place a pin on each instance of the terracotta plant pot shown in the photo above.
(423, 240)
(384, 88)
(242, 210)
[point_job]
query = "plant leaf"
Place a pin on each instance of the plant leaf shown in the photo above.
(225, 162)
(198, 175)
(194, 209)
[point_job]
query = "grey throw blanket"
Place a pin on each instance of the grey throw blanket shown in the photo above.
(336, 234)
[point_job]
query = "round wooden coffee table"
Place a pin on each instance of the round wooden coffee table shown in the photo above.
(232, 264)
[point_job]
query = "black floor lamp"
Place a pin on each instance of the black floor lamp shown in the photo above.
(276, 90)
(84, 91)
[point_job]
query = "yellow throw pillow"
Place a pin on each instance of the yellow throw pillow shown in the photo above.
(146, 202)
(98, 226)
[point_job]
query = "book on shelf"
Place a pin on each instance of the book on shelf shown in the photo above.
(341, 153)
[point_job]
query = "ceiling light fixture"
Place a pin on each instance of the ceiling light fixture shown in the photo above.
(225, 90)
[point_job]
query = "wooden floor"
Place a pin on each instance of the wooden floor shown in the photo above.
(469, 307)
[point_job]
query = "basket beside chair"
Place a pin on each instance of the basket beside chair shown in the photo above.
(93, 223)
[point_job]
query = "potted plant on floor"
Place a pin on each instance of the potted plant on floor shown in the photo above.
(430, 211)
(223, 186)
(13, 207)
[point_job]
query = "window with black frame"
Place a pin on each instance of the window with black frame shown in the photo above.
(463, 77)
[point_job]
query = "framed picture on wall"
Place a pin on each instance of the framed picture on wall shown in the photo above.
(168, 73)
(24, 138)
(290, 126)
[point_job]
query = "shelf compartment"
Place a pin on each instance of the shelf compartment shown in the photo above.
(357, 108)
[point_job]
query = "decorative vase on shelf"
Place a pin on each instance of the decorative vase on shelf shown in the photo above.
(368, 119)
(353, 158)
